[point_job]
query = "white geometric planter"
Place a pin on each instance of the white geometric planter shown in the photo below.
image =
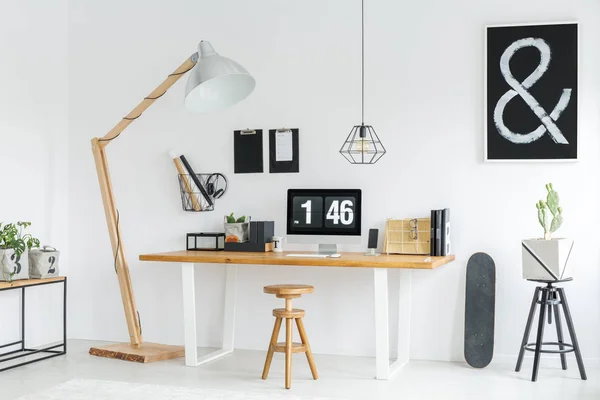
(9, 264)
(546, 259)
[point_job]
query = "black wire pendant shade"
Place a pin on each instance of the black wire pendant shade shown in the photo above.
(362, 146)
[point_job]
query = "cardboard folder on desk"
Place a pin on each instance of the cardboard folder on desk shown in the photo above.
(407, 236)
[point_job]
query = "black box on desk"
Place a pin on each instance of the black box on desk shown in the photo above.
(262, 231)
(248, 246)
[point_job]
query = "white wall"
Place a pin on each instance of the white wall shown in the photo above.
(34, 143)
(424, 96)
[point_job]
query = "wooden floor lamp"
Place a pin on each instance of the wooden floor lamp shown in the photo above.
(215, 82)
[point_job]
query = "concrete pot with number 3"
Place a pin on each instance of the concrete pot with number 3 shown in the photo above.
(548, 258)
(13, 267)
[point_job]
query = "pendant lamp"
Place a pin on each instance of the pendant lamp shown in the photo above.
(362, 146)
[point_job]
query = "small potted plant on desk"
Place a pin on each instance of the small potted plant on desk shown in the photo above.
(547, 258)
(14, 247)
(236, 230)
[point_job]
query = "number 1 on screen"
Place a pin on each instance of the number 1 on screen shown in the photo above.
(308, 207)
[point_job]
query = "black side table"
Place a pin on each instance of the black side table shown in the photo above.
(551, 298)
(50, 351)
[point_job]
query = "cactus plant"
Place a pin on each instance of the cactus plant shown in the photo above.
(551, 204)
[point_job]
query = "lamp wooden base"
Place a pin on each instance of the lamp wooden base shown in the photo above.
(146, 353)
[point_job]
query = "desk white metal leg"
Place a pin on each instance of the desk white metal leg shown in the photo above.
(229, 308)
(382, 325)
(404, 307)
(189, 316)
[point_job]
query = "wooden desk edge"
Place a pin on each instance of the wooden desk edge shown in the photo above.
(353, 260)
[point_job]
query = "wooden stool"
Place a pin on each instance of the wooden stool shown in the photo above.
(289, 292)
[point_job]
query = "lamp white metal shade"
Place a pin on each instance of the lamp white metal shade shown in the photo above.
(216, 82)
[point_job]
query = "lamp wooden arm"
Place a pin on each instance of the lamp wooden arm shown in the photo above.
(108, 199)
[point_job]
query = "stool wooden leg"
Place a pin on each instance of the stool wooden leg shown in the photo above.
(272, 344)
(288, 353)
(309, 355)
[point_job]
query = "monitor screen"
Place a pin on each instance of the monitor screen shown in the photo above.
(324, 212)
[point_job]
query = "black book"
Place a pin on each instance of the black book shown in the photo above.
(432, 235)
(438, 232)
(445, 232)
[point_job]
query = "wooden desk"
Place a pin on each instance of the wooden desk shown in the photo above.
(381, 265)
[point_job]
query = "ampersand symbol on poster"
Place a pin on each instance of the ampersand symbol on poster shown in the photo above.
(521, 89)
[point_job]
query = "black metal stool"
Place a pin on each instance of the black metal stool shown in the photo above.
(552, 297)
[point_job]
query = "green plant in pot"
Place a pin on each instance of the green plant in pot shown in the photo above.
(14, 246)
(236, 229)
(550, 205)
(547, 258)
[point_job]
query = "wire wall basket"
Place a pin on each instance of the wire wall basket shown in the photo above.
(200, 192)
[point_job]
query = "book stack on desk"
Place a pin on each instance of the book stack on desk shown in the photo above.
(440, 232)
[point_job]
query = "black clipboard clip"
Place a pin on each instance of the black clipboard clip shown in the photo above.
(247, 132)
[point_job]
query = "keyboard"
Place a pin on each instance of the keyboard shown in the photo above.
(313, 255)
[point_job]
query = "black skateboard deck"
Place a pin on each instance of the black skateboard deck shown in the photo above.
(480, 302)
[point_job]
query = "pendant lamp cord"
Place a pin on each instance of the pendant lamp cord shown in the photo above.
(363, 60)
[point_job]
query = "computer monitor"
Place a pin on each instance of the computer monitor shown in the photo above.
(327, 217)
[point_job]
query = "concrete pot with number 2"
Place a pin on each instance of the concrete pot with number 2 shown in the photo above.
(548, 258)
(13, 267)
(43, 263)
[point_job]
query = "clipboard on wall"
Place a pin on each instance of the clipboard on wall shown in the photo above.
(284, 151)
(248, 151)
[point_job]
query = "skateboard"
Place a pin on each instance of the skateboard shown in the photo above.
(480, 301)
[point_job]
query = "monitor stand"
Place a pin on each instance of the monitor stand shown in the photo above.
(327, 249)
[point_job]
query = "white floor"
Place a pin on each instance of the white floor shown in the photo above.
(340, 377)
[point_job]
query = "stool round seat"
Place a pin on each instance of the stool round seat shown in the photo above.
(289, 289)
(283, 313)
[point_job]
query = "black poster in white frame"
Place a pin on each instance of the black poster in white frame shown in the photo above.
(531, 92)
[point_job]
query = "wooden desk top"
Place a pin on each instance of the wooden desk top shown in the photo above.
(29, 282)
(358, 260)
